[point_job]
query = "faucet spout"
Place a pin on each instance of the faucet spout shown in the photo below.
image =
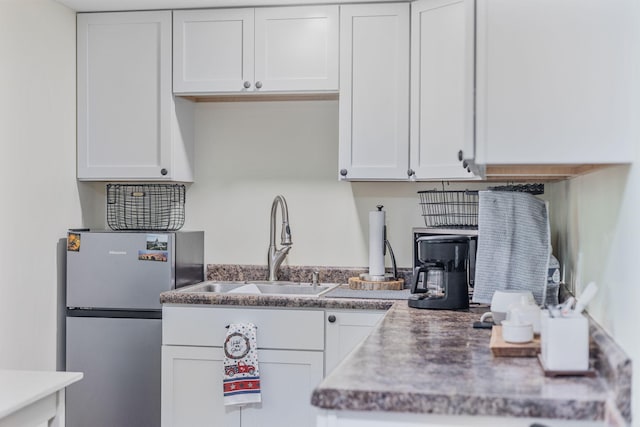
(276, 256)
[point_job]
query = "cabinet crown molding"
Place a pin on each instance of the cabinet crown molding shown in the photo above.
(125, 5)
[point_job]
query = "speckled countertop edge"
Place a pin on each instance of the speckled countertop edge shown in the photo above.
(608, 397)
(181, 297)
(454, 374)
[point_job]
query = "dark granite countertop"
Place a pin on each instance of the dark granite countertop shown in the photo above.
(427, 361)
(432, 361)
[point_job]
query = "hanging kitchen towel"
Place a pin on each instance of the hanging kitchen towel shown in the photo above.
(241, 379)
(513, 245)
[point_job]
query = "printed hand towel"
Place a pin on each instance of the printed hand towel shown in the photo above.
(513, 245)
(241, 379)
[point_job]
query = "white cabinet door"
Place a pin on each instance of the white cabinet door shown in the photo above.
(287, 380)
(442, 67)
(213, 50)
(127, 117)
(554, 81)
(344, 331)
(374, 92)
(297, 48)
(192, 388)
(271, 49)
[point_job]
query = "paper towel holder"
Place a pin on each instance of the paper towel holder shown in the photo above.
(386, 246)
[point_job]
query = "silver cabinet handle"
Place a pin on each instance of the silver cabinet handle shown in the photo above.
(247, 85)
(163, 171)
(258, 85)
(343, 172)
(411, 172)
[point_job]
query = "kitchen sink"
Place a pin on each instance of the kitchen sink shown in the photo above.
(279, 288)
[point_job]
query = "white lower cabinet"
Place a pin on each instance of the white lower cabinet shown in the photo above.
(192, 388)
(345, 329)
(292, 353)
(291, 363)
(287, 379)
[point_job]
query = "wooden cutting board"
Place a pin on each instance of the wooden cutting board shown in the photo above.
(500, 348)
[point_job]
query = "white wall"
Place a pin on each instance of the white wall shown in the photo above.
(599, 216)
(37, 171)
(249, 152)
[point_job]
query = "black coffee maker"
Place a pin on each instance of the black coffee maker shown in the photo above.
(442, 271)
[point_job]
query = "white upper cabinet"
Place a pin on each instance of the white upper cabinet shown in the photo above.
(272, 49)
(374, 92)
(442, 73)
(297, 48)
(555, 81)
(213, 50)
(129, 125)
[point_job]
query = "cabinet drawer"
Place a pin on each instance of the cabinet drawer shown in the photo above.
(277, 329)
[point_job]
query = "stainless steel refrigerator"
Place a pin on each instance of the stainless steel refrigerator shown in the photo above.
(114, 320)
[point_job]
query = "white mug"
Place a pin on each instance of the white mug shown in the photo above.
(516, 332)
(525, 312)
(501, 301)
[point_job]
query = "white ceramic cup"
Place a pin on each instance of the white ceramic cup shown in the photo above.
(516, 332)
(526, 312)
(501, 302)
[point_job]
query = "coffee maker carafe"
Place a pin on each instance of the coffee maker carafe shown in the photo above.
(441, 272)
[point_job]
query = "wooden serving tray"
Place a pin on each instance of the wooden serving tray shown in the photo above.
(392, 285)
(500, 348)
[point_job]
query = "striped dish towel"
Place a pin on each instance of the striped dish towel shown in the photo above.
(241, 378)
(514, 245)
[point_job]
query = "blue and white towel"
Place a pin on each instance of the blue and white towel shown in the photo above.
(241, 378)
(514, 245)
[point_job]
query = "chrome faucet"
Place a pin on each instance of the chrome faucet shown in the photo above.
(276, 256)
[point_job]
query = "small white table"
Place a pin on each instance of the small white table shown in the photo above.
(33, 398)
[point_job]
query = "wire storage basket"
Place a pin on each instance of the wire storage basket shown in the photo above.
(449, 209)
(145, 207)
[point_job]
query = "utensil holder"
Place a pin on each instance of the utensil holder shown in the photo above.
(564, 342)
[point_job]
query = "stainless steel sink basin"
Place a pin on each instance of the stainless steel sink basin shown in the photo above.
(298, 289)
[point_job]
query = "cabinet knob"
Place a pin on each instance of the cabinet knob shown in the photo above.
(163, 171)
(460, 155)
(331, 318)
(247, 85)
(410, 172)
(343, 172)
(258, 84)
(465, 164)
(469, 170)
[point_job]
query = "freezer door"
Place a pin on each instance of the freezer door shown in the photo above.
(120, 270)
(121, 361)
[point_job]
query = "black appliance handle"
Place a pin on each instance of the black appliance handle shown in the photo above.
(424, 268)
(471, 262)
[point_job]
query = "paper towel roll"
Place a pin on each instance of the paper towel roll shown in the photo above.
(376, 243)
